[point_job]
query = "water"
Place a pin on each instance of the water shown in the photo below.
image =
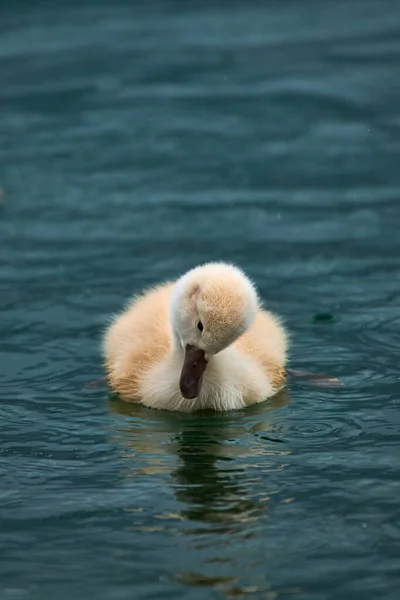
(137, 142)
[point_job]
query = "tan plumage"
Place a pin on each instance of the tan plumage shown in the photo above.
(243, 346)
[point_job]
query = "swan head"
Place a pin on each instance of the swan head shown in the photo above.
(211, 306)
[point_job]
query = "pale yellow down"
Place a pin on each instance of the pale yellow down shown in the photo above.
(244, 345)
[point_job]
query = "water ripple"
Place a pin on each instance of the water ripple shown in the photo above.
(331, 429)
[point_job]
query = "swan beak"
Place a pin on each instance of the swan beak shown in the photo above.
(192, 372)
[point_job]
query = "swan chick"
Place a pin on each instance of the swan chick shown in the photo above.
(200, 342)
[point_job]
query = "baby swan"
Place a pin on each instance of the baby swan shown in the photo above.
(200, 342)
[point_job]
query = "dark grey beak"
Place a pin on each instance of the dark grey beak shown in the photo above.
(193, 369)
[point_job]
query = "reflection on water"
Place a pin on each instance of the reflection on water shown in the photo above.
(217, 477)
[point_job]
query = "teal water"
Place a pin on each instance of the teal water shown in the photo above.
(137, 141)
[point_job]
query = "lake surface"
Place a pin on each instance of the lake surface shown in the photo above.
(136, 142)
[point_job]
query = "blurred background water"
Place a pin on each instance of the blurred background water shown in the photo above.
(137, 140)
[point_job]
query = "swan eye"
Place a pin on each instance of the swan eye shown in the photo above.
(200, 326)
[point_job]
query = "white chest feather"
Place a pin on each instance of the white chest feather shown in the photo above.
(231, 381)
